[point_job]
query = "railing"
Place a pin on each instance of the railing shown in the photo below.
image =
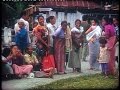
(8, 38)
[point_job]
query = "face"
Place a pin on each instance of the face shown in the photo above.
(27, 17)
(115, 21)
(77, 24)
(21, 24)
(41, 21)
(64, 26)
(102, 45)
(103, 22)
(30, 50)
(53, 21)
(15, 50)
(93, 23)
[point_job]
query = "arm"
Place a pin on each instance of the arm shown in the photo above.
(27, 59)
(56, 33)
(89, 30)
(38, 34)
(36, 60)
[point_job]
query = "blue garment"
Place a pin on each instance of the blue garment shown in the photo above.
(93, 54)
(59, 33)
(21, 39)
(104, 67)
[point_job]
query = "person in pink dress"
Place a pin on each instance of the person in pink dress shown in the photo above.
(18, 62)
(110, 36)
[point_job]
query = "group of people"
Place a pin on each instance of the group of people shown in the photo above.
(57, 47)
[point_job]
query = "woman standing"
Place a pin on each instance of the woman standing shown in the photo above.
(74, 61)
(41, 34)
(93, 34)
(110, 36)
(59, 37)
(51, 20)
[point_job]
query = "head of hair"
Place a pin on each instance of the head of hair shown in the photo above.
(116, 17)
(95, 19)
(39, 17)
(23, 13)
(63, 22)
(11, 47)
(49, 18)
(102, 40)
(6, 51)
(77, 20)
(108, 20)
(28, 47)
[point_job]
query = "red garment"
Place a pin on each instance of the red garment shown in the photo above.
(48, 63)
(60, 54)
(111, 63)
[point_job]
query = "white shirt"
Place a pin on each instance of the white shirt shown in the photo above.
(77, 30)
(51, 29)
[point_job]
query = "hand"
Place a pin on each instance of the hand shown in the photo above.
(109, 49)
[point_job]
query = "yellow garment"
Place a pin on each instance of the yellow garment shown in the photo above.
(68, 39)
(30, 59)
(104, 55)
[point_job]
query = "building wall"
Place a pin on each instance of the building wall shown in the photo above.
(60, 16)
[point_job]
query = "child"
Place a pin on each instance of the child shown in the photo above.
(103, 56)
(31, 59)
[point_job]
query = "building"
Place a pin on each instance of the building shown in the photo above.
(70, 10)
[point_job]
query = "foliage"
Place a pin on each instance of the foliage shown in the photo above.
(11, 11)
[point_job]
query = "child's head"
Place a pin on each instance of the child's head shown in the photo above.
(102, 41)
(21, 23)
(29, 49)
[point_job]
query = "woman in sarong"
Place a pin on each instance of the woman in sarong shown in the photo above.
(111, 38)
(75, 54)
(93, 34)
(59, 37)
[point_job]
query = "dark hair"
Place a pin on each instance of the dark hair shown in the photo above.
(63, 22)
(28, 47)
(95, 19)
(39, 17)
(23, 13)
(6, 51)
(116, 17)
(108, 20)
(102, 40)
(49, 18)
(77, 20)
(11, 47)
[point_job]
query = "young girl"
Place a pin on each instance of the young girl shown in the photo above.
(103, 56)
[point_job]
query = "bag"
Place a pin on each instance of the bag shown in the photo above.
(77, 38)
(48, 63)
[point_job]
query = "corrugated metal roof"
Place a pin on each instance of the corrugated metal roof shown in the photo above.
(65, 3)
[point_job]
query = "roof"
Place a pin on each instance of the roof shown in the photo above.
(89, 4)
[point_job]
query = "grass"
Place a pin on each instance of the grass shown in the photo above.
(96, 81)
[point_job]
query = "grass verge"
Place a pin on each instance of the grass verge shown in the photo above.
(96, 81)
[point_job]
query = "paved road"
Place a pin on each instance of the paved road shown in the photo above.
(26, 83)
